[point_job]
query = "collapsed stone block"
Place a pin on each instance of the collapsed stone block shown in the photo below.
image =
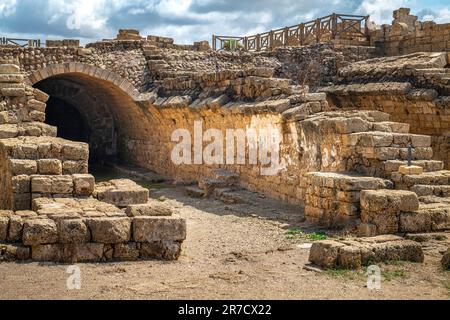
(13, 252)
(83, 184)
(382, 209)
(151, 229)
(121, 192)
(49, 166)
(16, 222)
(110, 230)
(39, 231)
(151, 208)
(352, 254)
(126, 251)
(72, 231)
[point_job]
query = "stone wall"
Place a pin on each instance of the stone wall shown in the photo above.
(423, 110)
(407, 35)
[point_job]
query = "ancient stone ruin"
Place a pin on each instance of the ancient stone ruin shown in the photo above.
(364, 146)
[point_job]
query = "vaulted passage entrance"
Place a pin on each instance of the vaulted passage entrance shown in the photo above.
(70, 122)
(88, 109)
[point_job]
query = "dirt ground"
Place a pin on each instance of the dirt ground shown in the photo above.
(232, 251)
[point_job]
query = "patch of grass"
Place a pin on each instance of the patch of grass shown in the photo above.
(390, 275)
(344, 274)
(296, 233)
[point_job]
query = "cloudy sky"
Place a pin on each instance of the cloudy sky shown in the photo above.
(187, 20)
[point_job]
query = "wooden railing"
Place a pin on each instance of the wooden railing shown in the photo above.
(20, 42)
(314, 31)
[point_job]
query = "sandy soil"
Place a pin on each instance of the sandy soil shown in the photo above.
(238, 251)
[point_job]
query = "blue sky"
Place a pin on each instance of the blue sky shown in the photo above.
(187, 20)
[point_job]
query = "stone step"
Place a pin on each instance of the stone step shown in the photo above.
(394, 153)
(439, 178)
(388, 139)
(389, 126)
(209, 185)
(431, 190)
(432, 70)
(194, 192)
(121, 192)
(225, 176)
(26, 129)
(44, 147)
(431, 217)
(391, 166)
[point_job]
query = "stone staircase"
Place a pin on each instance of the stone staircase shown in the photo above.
(439, 77)
(220, 183)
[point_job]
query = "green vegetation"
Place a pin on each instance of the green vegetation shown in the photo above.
(390, 275)
(231, 44)
(296, 233)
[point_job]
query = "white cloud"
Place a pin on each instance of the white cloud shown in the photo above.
(380, 11)
(442, 16)
(7, 7)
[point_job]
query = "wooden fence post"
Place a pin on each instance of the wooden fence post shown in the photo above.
(258, 42)
(270, 44)
(333, 26)
(318, 30)
(286, 36)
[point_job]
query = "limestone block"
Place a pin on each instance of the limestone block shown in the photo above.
(62, 184)
(22, 201)
(126, 251)
(352, 254)
(151, 208)
(40, 95)
(21, 184)
(446, 260)
(389, 200)
(350, 257)
(325, 253)
(410, 170)
(167, 250)
(110, 230)
(150, 229)
(41, 184)
(46, 252)
(49, 166)
(83, 184)
(20, 166)
(36, 105)
(366, 230)
(11, 78)
(75, 151)
(415, 222)
(37, 116)
(39, 231)
(16, 222)
(9, 68)
(13, 92)
(72, 231)
(385, 221)
(13, 252)
(4, 221)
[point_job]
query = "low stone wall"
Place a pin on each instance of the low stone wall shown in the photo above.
(87, 230)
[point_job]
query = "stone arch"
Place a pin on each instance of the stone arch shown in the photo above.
(107, 102)
(82, 68)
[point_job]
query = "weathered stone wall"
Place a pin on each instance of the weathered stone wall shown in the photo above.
(407, 35)
(317, 65)
(423, 110)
